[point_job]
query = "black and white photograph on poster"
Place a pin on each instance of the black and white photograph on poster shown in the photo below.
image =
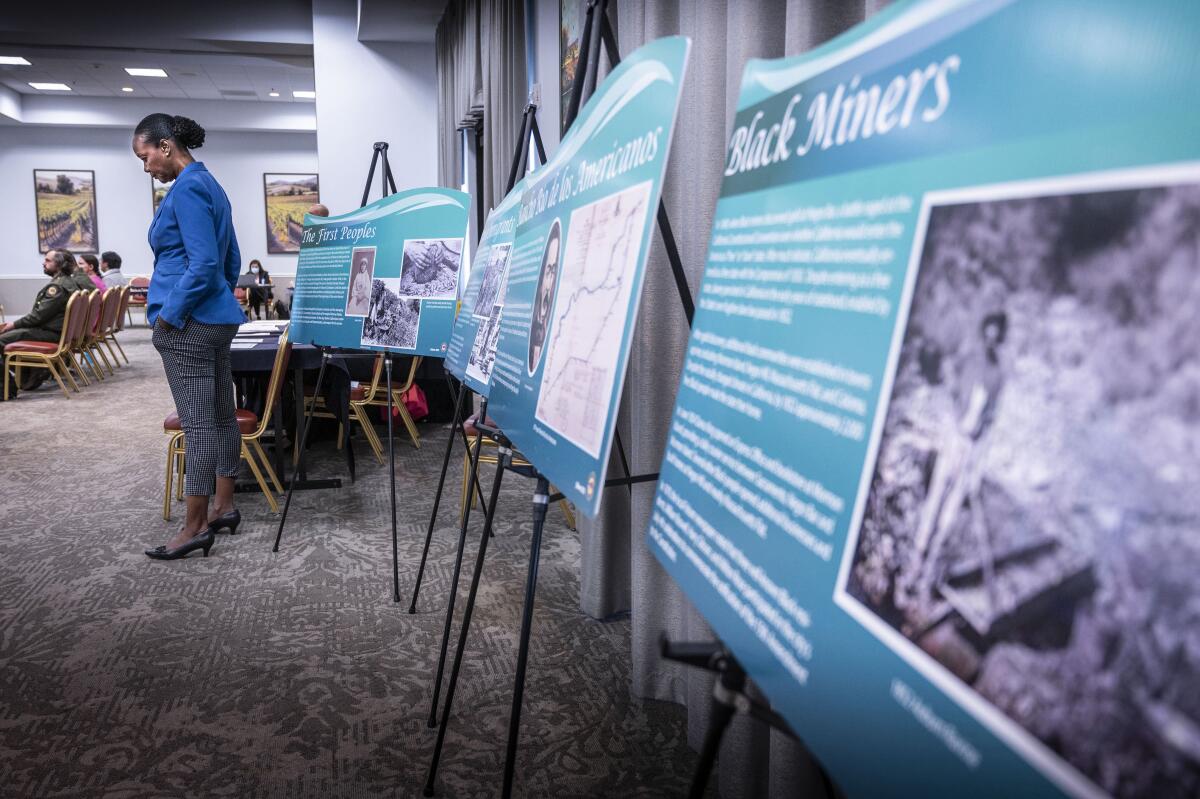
(483, 352)
(1030, 528)
(543, 296)
(493, 277)
(430, 268)
(392, 320)
(362, 273)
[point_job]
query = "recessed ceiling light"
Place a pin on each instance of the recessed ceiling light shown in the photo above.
(14, 60)
(304, 95)
(126, 88)
(273, 93)
(50, 87)
(146, 73)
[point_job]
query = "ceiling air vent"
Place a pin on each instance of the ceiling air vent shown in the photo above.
(238, 93)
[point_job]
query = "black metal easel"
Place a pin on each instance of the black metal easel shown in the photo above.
(520, 164)
(729, 697)
(388, 187)
(585, 79)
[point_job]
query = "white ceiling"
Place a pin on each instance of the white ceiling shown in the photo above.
(192, 76)
(213, 52)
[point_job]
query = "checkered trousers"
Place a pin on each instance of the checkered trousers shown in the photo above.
(196, 359)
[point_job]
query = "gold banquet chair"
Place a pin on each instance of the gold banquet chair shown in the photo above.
(252, 429)
(486, 457)
(374, 395)
(315, 408)
(47, 354)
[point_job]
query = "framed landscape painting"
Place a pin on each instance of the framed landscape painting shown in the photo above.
(158, 190)
(288, 196)
(570, 31)
(66, 210)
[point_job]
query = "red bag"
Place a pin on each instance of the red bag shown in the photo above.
(414, 400)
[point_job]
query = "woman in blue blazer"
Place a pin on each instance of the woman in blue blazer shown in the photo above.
(195, 316)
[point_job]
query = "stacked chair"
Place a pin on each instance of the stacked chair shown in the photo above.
(90, 325)
(51, 356)
(252, 428)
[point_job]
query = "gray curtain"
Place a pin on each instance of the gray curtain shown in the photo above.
(618, 572)
(480, 52)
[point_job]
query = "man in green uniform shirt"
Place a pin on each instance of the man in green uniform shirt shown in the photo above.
(44, 322)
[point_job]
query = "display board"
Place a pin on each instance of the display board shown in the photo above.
(931, 472)
(575, 279)
(384, 277)
(473, 340)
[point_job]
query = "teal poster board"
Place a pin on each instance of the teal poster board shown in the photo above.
(384, 277)
(472, 352)
(575, 280)
(931, 472)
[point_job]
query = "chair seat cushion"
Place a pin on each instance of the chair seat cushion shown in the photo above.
(247, 421)
(42, 347)
(357, 393)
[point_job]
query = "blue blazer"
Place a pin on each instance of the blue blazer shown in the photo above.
(196, 257)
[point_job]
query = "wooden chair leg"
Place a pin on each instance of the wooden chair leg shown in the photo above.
(180, 465)
(108, 346)
(121, 349)
(63, 359)
(86, 356)
(57, 378)
(5, 377)
(170, 474)
(76, 369)
(258, 477)
(566, 509)
(266, 463)
(465, 498)
(108, 366)
(369, 431)
(409, 423)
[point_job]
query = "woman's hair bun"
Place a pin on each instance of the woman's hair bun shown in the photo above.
(187, 132)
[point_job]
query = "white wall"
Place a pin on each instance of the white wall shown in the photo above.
(369, 92)
(123, 204)
(546, 69)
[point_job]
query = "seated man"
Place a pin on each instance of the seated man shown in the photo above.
(110, 269)
(44, 322)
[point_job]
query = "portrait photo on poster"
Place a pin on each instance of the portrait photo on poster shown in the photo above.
(430, 268)
(391, 321)
(483, 351)
(493, 277)
(543, 296)
(362, 274)
(1026, 531)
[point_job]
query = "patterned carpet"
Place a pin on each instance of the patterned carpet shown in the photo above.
(249, 674)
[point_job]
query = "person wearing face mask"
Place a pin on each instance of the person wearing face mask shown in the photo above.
(258, 287)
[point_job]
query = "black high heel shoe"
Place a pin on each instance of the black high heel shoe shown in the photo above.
(227, 521)
(202, 540)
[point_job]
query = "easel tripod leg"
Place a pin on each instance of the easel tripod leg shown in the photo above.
(392, 476)
(541, 500)
(305, 424)
(505, 455)
(437, 497)
(462, 542)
